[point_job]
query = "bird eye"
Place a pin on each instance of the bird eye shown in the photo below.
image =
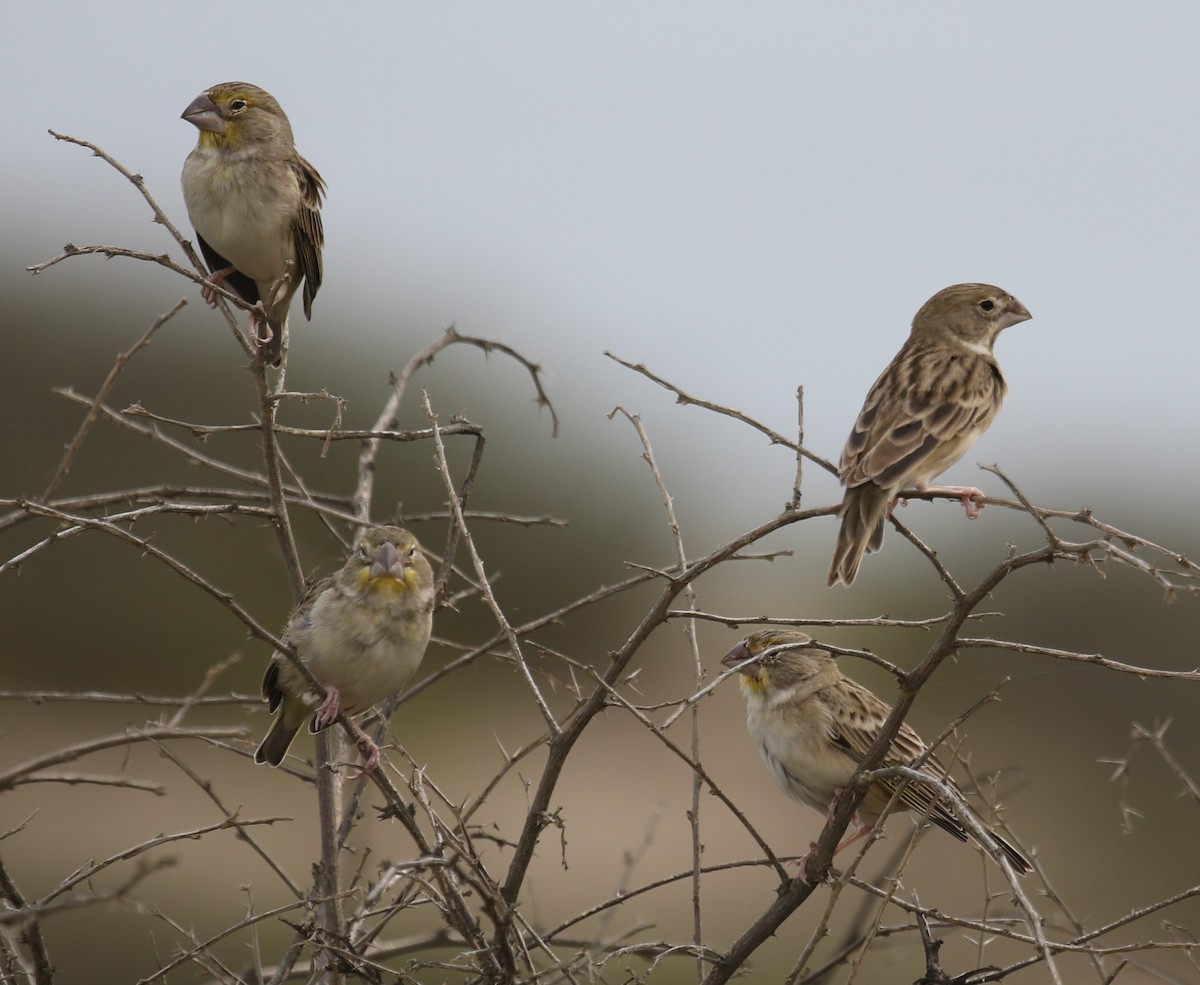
(987, 305)
(237, 105)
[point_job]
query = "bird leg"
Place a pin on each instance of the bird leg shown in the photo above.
(214, 280)
(330, 709)
(264, 334)
(367, 746)
(281, 288)
(802, 864)
(861, 830)
(968, 495)
(327, 714)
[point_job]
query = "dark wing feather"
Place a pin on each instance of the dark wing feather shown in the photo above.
(238, 282)
(856, 732)
(271, 691)
(307, 229)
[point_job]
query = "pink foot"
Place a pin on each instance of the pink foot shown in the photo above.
(366, 745)
(262, 329)
(833, 803)
(802, 864)
(328, 712)
(860, 831)
(968, 495)
(372, 761)
(215, 279)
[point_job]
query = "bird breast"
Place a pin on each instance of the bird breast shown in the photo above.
(367, 658)
(246, 222)
(794, 742)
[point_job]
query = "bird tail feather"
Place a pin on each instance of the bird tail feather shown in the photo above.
(863, 513)
(275, 743)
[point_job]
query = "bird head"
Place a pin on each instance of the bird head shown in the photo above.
(775, 660)
(232, 114)
(969, 315)
(389, 559)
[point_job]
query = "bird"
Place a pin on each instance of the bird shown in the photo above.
(254, 203)
(361, 633)
(939, 393)
(813, 725)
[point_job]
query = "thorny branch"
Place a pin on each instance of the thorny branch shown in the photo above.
(463, 860)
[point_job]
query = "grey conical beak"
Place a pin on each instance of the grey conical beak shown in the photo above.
(202, 113)
(387, 563)
(739, 654)
(1015, 314)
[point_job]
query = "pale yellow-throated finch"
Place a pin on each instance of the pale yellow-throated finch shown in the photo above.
(936, 397)
(361, 633)
(254, 204)
(813, 725)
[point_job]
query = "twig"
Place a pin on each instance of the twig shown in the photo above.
(682, 398)
(64, 465)
(78, 523)
(388, 418)
(689, 630)
(506, 628)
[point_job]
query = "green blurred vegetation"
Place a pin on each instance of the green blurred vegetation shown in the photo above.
(92, 614)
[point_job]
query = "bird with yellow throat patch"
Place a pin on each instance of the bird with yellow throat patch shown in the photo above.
(254, 203)
(813, 725)
(361, 633)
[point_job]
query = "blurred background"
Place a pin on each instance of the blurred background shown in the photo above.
(747, 198)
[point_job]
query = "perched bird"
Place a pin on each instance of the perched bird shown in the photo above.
(361, 633)
(813, 725)
(253, 202)
(937, 396)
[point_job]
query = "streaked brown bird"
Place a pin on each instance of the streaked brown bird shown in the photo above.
(813, 726)
(936, 397)
(254, 203)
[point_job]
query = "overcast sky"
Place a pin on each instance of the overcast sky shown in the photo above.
(745, 196)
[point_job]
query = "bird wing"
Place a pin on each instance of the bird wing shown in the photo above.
(921, 415)
(238, 282)
(272, 689)
(307, 229)
(856, 725)
(300, 614)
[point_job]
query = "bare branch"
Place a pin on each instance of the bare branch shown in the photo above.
(682, 398)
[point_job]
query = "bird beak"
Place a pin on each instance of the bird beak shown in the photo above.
(1015, 314)
(202, 113)
(738, 655)
(387, 563)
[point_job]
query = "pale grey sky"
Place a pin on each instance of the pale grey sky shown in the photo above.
(744, 196)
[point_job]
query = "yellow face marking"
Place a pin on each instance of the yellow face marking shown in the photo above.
(756, 684)
(397, 586)
(393, 586)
